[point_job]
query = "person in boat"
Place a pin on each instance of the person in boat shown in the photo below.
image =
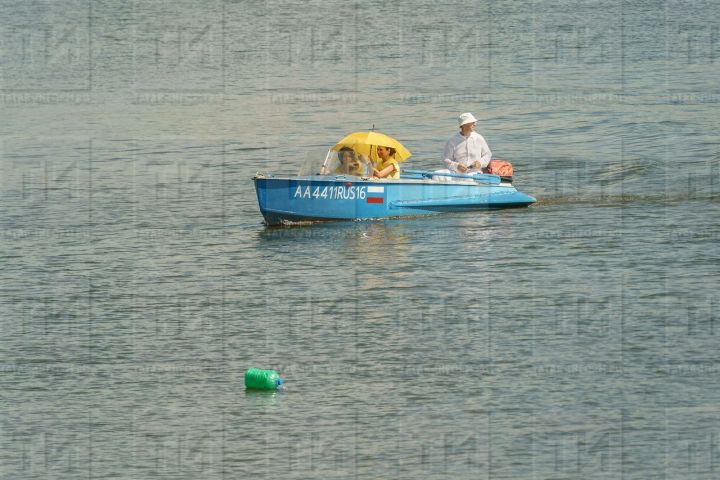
(466, 152)
(387, 166)
(350, 164)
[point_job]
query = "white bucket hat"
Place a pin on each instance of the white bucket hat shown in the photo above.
(466, 118)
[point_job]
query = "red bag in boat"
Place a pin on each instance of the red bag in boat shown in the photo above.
(500, 168)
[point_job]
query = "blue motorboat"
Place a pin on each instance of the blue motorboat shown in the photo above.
(339, 192)
(343, 197)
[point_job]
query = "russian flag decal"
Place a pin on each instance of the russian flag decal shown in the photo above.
(376, 198)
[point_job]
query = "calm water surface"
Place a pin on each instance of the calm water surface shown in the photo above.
(574, 339)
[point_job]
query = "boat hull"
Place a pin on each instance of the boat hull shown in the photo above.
(321, 198)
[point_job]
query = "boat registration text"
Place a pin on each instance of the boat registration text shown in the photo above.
(339, 192)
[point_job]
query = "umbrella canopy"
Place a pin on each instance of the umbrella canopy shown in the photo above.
(363, 143)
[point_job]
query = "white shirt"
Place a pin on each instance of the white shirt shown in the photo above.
(462, 150)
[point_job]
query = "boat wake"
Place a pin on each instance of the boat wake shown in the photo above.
(625, 199)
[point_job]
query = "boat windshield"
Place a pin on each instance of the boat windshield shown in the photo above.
(344, 162)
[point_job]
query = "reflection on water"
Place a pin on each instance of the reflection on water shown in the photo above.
(261, 395)
(379, 241)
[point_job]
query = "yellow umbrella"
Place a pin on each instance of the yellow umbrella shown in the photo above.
(363, 143)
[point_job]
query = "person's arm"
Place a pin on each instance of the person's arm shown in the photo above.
(481, 152)
(449, 155)
(386, 171)
(485, 153)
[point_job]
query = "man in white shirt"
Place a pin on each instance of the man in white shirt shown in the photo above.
(466, 152)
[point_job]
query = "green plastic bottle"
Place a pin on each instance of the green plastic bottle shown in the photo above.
(257, 379)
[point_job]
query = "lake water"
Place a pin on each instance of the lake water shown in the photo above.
(573, 339)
